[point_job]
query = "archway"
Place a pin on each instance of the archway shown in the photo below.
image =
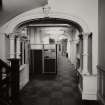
(62, 26)
(36, 16)
(63, 70)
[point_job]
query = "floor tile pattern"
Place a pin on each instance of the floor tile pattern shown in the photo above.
(60, 89)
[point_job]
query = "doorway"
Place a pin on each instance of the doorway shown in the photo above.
(52, 52)
(47, 42)
(43, 60)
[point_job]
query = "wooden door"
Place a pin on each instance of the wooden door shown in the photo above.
(50, 59)
(36, 62)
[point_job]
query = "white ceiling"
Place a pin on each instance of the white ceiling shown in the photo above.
(12, 8)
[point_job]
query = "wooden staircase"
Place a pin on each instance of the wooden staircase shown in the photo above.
(9, 82)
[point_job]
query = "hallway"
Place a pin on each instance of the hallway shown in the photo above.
(53, 90)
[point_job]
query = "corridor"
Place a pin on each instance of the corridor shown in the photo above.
(53, 90)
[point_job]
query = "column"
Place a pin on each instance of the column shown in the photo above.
(12, 46)
(68, 48)
(85, 54)
(18, 47)
(71, 51)
(81, 52)
(75, 52)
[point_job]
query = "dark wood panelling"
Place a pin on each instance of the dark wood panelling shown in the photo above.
(4, 82)
(14, 79)
(9, 82)
(35, 61)
(50, 65)
(101, 83)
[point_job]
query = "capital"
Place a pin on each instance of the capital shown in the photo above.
(13, 35)
(46, 10)
(86, 34)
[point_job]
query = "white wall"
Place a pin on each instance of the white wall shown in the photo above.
(87, 10)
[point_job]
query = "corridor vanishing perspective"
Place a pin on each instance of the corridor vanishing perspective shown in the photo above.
(52, 52)
(60, 89)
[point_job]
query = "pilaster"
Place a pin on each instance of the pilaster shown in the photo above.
(85, 54)
(18, 42)
(12, 45)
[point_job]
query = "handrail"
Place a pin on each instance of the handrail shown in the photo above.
(8, 74)
(4, 82)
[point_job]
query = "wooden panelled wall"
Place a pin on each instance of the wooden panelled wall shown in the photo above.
(101, 53)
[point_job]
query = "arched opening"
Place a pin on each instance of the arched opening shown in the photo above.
(46, 44)
(61, 35)
(61, 32)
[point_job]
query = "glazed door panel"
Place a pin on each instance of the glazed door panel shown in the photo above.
(50, 58)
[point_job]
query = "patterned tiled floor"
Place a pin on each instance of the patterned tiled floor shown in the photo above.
(61, 89)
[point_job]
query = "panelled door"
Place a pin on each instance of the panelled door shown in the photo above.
(50, 58)
(43, 60)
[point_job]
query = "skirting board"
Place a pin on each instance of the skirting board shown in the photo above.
(89, 96)
(100, 98)
(89, 87)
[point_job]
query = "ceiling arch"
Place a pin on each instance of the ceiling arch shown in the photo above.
(38, 15)
(49, 20)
